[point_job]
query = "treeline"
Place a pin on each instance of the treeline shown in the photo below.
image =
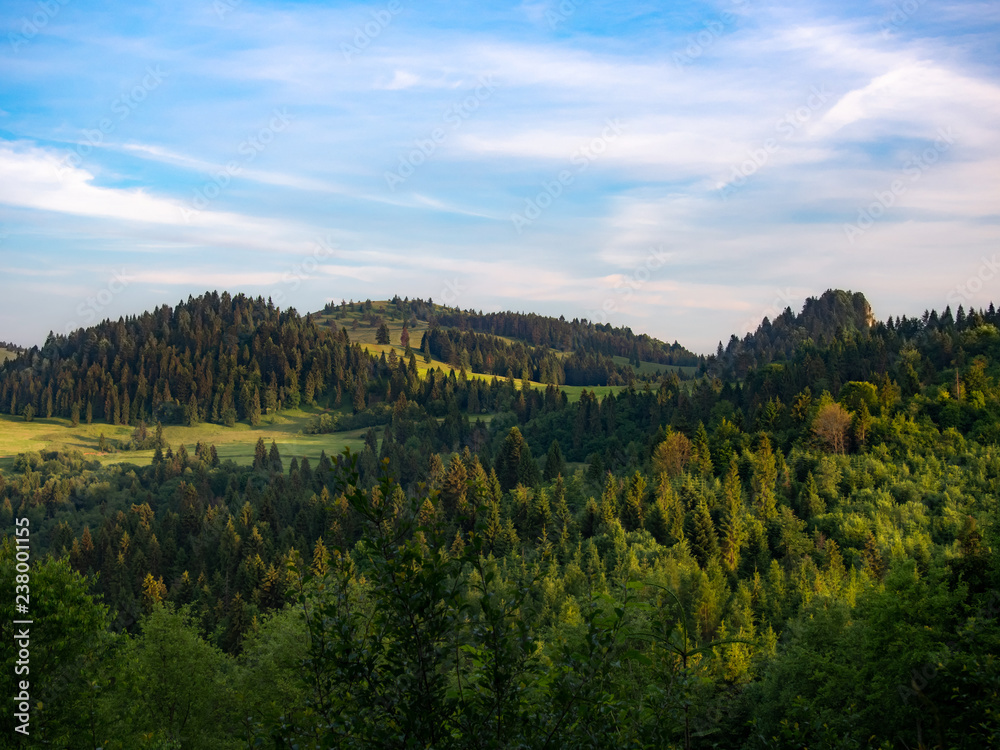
(399, 308)
(491, 355)
(554, 333)
(839, 316)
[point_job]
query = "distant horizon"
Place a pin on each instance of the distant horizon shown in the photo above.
(681, 171)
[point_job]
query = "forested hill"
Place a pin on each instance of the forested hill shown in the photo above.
(216, 357)
(221, 358)
(841, 325)
(821, 320)
(538, 330)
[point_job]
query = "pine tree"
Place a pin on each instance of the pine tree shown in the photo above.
(765, 475)
(633, 514)
(733, 527)
(274, 459)
(609, 508)
(541, 513)
(527, 468)
(554, 463)
(704, 539)
(260, 454)
(493, 532)
(321, 559)
(271, 395)
(254, 414)
(508, 460)
(701, 453)
(666, 519)
(454, 488)
(810, 502)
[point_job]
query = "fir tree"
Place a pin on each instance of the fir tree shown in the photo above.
(554, 463)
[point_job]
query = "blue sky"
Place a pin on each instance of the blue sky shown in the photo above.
(684, 168)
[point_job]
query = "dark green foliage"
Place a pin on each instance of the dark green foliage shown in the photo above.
(554, 462)
(514, 464)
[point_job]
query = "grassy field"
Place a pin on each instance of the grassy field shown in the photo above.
(423, 367)
(654, 368)
(573, 391)
(236, 443)
(6, 354)
(365, 333)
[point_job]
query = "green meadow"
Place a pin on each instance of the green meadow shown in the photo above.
(655, 368)
(236, 443)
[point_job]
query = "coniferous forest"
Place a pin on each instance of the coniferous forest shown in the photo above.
(556, 534)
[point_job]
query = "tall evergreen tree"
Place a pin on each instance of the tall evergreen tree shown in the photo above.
(555, 465)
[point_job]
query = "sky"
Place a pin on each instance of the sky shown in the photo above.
(684, 169)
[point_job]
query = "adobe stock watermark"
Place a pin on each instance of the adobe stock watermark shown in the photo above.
(323, 248)
(784, 299)
(122, 106)
(425, 148)
(561, 13)
(699, 42)
(551, 190)
(89, 311)
(913, 168)
(901, 13)
(966, 292)
(223, 8)
(33, 26)
(366, 34)
(250, 148)
(452, 291)
(785, 127)
(628, 284)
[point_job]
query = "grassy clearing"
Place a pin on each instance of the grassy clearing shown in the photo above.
(573, 391)
(655, 368)
(437, 364)
(6, 354)
(365, 333)
(236, 443)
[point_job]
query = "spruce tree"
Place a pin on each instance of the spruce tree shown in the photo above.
(554, 463)
(260, 454)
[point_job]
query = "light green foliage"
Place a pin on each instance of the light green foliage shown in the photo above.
(170, 686)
